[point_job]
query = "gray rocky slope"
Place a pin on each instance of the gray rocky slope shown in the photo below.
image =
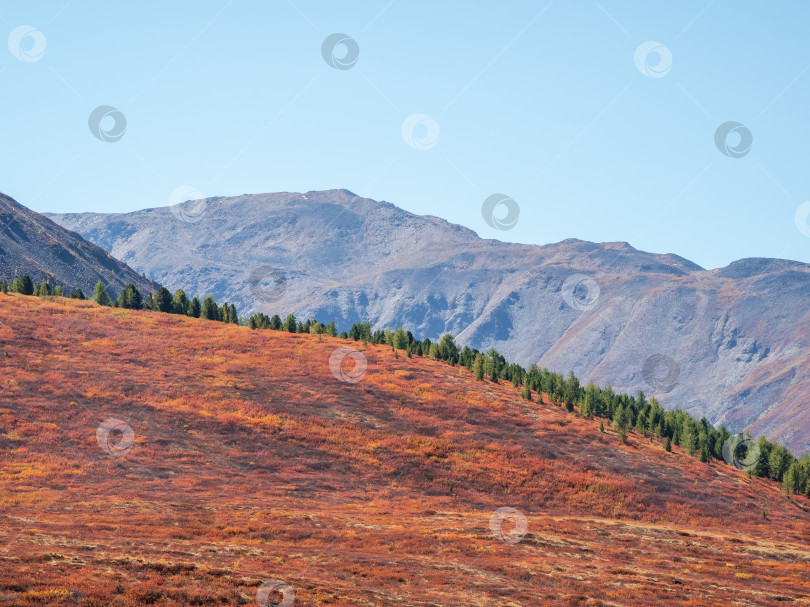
(32, 244)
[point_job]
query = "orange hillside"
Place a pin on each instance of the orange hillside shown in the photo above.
(148, 458)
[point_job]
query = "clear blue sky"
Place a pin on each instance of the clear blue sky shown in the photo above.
(540, 101)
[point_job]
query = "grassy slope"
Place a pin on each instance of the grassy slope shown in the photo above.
(252, 461)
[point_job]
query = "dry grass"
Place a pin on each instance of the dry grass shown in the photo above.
(251, 461)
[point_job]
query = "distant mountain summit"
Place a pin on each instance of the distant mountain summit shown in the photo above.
(730, 344)
(32, 244)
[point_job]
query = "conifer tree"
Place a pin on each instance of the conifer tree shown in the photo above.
(180, 302)
(129, 298)
(162, 300)
(794, 480)
(194, 308)
(209, 309)
(100, 295)
(27, 286)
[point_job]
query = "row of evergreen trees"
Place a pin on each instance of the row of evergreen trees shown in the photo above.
(160, 301)
(26, 286)
(624, 412)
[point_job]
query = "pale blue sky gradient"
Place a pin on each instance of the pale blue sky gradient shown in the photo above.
(540, 101)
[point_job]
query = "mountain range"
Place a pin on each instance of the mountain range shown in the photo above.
(729, 344)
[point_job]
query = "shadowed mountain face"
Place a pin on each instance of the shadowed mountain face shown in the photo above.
(729, 344)
(32, 244)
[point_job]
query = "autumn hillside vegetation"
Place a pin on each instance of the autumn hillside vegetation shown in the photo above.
(161, 459)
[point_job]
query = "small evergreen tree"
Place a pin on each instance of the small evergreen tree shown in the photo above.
(129, 298)
(27, 286)
(275, 322)
(668, 445)
(232, 316)
(778, 462)
(100, 295)
(162, 300)
(478, 367)
(399, 339)
(180, 302)
(209, 309)
(57, 291)
(794, 481)
(194, 308)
